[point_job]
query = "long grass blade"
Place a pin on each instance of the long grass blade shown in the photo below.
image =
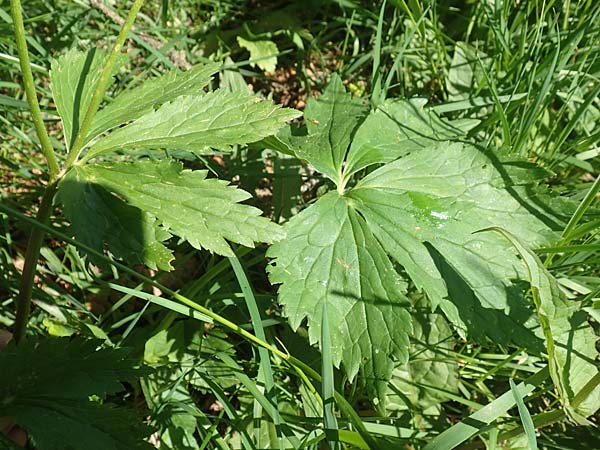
(265, 360)
(478, 421)
(526, 419)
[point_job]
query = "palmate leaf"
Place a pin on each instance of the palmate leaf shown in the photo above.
(331, 257)
(206, 212)
(46, 387)
(217, 119)
(419, 210)
(331, 123)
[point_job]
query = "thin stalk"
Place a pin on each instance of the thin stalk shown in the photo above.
(31, 258)
(102, 85)
(34, 106)
(295, 363)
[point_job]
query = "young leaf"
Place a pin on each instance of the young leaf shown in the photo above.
(98, 217)
(46, 386)
(426, 204)
(204, 211)
(133, 104)
(331, 123)
(217, 119)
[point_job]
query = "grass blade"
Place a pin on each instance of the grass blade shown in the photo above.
(479, 420)
(328, 385)
(265, 361)
(526, 419)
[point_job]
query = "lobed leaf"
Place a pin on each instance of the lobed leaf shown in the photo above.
(419, 209)
(331, 122)
(438, 197)
(206, 212)
(330, 259)
(396, 129)
(133, 104)
(217, 119)
(98, 217)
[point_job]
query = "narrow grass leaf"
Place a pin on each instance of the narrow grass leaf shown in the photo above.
(526, 419)
(478, 421)
(265, 360)
(328, 383)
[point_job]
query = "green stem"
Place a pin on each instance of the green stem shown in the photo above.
(38, 122)
(295, 363)
(103, 82)
(31, 258)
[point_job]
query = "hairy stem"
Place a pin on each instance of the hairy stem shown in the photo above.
(31, 258)
(102, 85)
(38, 122)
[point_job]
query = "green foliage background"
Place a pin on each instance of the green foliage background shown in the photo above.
(433, 219)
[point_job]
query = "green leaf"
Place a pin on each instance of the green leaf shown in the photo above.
(134, 103)
(73, 78)
(330, 259)
(396, 129)
(46, 387)
(98, 217)
(331, 121)
(183, 357)
(465, 73)
(420, 209)
(217, 119)
(570, 341)
(526, 419)
(263, 53)
(478, 422)
(438, 197)
(65, 424)
(204, 211)
(62, 368)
